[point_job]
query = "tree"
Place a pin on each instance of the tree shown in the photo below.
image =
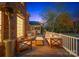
(58, 22)
(49, 16)
(76, 26)
(63, 23)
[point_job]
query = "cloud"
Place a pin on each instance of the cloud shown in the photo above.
(35, 17)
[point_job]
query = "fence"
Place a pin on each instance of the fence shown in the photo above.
(70, 44)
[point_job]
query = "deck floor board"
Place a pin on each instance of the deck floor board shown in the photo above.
(45, 51)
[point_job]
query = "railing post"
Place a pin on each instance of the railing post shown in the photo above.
(67, 42)
(76, 46)
(71, 44)
(64, 42)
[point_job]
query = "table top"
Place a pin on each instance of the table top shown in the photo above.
(39, 38)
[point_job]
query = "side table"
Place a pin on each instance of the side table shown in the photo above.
(39, 41)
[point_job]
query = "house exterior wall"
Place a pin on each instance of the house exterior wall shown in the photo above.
(36, 28)
(9, 16)
(9, 20)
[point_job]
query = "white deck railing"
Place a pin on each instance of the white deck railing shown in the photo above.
(70, 44)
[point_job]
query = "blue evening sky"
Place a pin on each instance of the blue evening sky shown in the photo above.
(35, 9)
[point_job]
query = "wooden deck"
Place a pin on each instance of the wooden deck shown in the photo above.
(44, 51)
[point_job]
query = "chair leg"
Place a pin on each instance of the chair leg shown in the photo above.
(31, 45)
(51, 43)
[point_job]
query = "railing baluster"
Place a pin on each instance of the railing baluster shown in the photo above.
(65, 41)
(76, 46)
(68, 42)
(71, 44)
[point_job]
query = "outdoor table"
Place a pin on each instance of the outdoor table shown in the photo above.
(56, 41)
(39, 41)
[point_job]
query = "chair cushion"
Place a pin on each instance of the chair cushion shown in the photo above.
(26, 42)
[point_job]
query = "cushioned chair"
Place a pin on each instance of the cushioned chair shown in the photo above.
(24, 44)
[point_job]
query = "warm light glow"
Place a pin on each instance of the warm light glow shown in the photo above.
(19, 27)
(0, 26)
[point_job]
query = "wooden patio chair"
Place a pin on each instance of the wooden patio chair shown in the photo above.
(47, 37)
(56, 41)
(24, 44)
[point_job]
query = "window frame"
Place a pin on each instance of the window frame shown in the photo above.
(21, 18)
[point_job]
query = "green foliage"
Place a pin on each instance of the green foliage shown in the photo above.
(63, 23)
(58, 22)
(76, 26)
(49, 17)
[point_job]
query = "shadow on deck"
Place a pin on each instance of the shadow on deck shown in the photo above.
(45, 51)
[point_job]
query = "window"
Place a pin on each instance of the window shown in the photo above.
(0, 26)
(20, 29)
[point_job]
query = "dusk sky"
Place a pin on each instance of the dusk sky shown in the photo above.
(35, 9)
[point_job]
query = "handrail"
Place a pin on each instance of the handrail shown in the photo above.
(69, 36)
(70, 43)
(66, 35)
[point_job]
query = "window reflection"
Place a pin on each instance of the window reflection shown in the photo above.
(19, 27)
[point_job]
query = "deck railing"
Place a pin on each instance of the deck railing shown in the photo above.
(70, 43)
